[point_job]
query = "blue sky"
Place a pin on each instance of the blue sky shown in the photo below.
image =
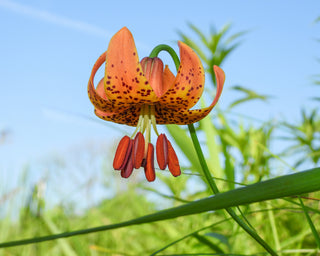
(49, 47)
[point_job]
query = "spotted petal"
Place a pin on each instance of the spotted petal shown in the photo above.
(124, 81)
(123, 116)
(128, 116)
(167, 115)
(189, 83)
(99, 100)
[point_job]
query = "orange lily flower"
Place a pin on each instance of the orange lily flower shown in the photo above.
(144, 94)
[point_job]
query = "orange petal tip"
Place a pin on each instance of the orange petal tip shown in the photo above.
(219, 74)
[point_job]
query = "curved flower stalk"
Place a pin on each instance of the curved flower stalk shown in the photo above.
(143, 94)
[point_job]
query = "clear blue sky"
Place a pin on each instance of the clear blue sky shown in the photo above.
(48, 48)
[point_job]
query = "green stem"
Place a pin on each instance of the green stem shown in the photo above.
(163, 47)
(215, 190)
(205, 169)
(274, 228)
(202, 160)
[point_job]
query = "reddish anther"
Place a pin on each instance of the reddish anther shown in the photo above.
(173, 162)
(138, 150)
(128, 169)
(162, 151)
(122, 153)
(149, 167)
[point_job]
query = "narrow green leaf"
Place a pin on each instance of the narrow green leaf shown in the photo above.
(216, 38)
(200, 34)
(220, 222)
(274, 228)
(250, 95)
(311, 225)
(64, 245)
(190, 235)
(235, 36)
(208, 243)
(222, 238)
(284, 186)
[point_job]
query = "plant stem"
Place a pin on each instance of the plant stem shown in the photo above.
(205, 169)
(215, 190)
(163, 47)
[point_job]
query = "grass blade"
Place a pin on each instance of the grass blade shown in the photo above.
(287, 185)
(312, 227)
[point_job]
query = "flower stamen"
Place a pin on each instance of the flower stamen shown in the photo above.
(162, 151)
(122, 153)
(138, 150)
(133, 153)
(128, 169)
(149, 167)
(173, 161)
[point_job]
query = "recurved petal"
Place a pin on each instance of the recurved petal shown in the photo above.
(124, 79)
(189, 83)
(128, 116)
(100, 90)
(165, 115)
(98, 99)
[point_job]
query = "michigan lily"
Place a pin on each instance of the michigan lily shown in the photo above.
(145, 93)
